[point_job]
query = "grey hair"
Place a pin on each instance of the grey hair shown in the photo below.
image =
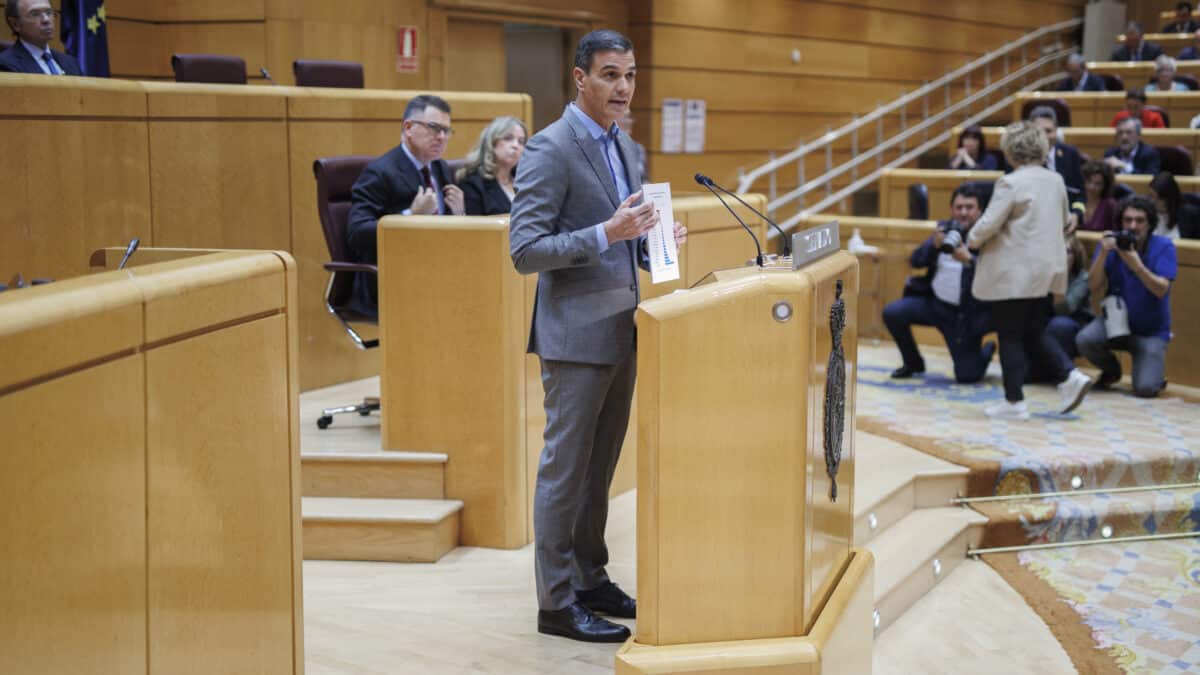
(1023, 143)
(1077, 59)
(1137, 124)
(482, 157)
(1165, 61)
(1044, 112)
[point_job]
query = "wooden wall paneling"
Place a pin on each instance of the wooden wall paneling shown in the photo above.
(79, 148)
(137, 50)
(851, 23)
(218, 166)
(475, 56)
(371, 44)
(74, 563)
(745, 92)
(207, 10)
(220, 517)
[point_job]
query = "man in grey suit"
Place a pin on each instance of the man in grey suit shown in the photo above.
(576, 222)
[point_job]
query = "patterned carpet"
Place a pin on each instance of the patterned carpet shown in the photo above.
(1113, 439)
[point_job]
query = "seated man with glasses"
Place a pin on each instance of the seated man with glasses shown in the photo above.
(411, 179)
(32, 21)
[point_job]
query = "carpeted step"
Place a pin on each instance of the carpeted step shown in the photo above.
(1089, 517)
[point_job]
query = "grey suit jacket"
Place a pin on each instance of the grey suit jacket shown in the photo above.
(583, 310)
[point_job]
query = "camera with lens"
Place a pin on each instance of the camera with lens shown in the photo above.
(952, 240)
(1125, 239)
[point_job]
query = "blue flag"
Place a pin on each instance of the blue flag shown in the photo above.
(85, 35)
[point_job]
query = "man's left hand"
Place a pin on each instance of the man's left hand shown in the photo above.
(961, 254)
(1130, 257)
(680, 234)
(454, 199)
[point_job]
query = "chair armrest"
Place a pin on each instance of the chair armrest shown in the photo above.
(351, 267)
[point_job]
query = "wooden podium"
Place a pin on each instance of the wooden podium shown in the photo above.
(745, 559)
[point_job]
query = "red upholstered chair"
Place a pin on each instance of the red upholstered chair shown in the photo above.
(211, 68)
(1161, 111)
(1176, 159)
(341, 74)
(335, 178)
(1062, 109)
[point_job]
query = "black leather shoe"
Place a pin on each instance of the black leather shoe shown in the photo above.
(608, 599)
(904, 372)
(1107, 380)
(579, 623)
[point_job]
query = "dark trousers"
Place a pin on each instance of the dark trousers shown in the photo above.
(1053, 358)
(965, 347)
(1020, 323)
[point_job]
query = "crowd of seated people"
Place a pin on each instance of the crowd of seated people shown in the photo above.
(1183, 22)
(1135, 48)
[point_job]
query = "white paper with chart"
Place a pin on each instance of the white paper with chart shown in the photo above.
(660, 242)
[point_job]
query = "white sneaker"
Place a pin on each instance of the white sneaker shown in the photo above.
(1073, 389)
(1008, 411)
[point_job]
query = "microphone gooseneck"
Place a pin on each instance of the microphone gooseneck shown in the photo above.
(707, 182)
(133, 246)
(787, 244)
(267, 75)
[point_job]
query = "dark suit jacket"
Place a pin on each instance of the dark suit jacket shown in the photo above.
(1090, 83)
(1145, 159)
(483, 196)
(972, 317)
(1176, 27)
(1189, 54)
(17, 59)
(1150, 51)
(386, 187)
(1069, 164)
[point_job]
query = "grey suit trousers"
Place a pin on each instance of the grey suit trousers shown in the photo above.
(587, 413)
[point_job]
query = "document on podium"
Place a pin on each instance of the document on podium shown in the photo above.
(660, 243)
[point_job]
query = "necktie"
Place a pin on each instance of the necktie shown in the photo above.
(50, 64)
(426, 178)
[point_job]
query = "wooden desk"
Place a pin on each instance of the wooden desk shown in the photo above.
(1172, 43)
(893, 188)
(1096, 109)
(149, 491)
(1093, 141)
(200, 166)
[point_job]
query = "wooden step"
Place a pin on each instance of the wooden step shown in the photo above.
(891, 479)
(388, 530)
(917, 552)
(373, 474)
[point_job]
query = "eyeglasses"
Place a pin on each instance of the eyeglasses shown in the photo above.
(39, 14)
(436, 128)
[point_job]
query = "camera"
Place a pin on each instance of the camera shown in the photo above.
(1125, 239)
(954, 238)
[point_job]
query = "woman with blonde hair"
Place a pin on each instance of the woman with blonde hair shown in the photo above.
(487, 177)
(1022, 258)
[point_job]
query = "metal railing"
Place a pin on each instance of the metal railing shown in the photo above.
(1051, 49)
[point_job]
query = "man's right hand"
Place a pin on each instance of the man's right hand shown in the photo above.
(939, 235)
(630, 222)
(1108, 242)
(425, 203)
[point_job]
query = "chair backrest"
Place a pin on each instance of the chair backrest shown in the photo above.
(1188, 81)
(918, 202)
(1062, 109)
(1176, 159)
(452, 167)
(1113, 82)
(1161, 111)
(341, 74)
(211, 68)
(335, 178)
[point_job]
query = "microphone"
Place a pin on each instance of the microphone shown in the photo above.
(787, 241)
(706, 182)
(267, 75)
(133, 246)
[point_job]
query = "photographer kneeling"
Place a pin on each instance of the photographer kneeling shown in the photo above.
(942, 297)
(1137, 268)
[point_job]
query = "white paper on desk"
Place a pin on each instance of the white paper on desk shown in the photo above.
(660, 242)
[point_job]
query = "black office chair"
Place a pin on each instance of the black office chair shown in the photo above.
(209, 68)
(335, 178)
(918, 202)
(1176, 159)
(340, 74)
(1113, 82)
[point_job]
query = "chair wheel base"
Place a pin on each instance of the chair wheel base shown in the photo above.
(324, 421)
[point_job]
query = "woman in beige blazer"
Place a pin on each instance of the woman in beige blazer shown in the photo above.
(1022, 256)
